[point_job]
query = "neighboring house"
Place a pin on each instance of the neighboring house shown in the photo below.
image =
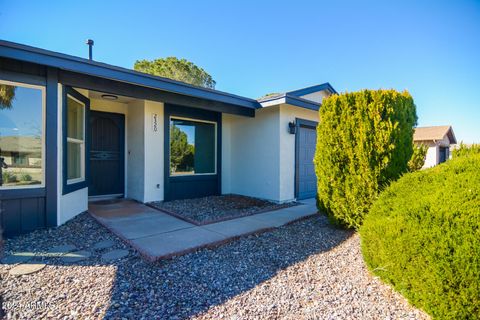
(438, 139)
(23, 157)
(114, 132)
(21, 152)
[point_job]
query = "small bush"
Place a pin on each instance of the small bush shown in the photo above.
(423, 237)
(364, 141)
(465, 150)
(418, 157)
(8, 177)
(25, 177)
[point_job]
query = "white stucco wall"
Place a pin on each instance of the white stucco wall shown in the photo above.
(288, 114)
(136, 150)
(254, 154)
(315, 96)
(154, 153)
(74, 203)
(258, 154)
(431, 158)
(433, 153)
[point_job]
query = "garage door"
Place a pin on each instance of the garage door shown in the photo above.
(306, 179)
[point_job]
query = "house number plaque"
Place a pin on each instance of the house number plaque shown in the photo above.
(155, 122)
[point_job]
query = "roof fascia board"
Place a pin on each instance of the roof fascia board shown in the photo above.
(292, 100)
(312, 89)
(75, 64)
(451, 136)
(84, 81)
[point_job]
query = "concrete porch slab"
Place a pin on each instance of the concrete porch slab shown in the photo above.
(139, 228)
(157, 235)
(177, 242)
(238, 227)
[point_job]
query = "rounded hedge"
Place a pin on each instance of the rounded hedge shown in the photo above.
(422, 236)
(364, 141)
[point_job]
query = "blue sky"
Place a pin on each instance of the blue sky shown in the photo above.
(431, 48)
(25, 116)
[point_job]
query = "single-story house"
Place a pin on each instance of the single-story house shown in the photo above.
(109, 132)
(438, 139)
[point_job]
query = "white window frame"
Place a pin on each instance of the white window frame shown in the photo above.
(44, 120)
(77, 141)
(170, 151)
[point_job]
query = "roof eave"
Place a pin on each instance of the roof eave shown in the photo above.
(321, 87)
(291, 100)
(25, 53)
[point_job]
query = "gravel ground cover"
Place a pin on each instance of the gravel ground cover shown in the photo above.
(206, 210)
(306, 270)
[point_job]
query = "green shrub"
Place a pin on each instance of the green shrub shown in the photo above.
(8, 177)
(25, 177)
(422, 236)
(465, 150)
(417, 160)
(364, 140)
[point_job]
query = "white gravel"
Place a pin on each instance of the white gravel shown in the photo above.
(306, 270)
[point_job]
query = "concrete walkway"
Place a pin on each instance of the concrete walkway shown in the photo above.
(157, 235)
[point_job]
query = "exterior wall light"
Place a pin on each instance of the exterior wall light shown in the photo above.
(292, 127)
(109, 97)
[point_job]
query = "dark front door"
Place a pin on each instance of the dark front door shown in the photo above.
(443, 154)
(306, 141)
(107, 154)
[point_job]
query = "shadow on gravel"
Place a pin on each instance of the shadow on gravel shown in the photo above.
(191, 284)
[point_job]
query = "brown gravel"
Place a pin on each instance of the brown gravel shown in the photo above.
(206, 210)
(306, 270)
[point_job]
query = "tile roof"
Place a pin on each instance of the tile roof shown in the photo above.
(434, 133)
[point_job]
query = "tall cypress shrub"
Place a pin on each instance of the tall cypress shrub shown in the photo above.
(364, 141)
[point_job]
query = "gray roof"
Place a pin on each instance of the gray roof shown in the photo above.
(295, 97)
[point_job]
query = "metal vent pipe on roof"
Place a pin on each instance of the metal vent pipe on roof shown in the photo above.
(90, 45)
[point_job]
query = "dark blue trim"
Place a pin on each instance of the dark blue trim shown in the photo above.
(10, 194)
(51, 143)
(22, 78)
(300, 123)
(83, 81)
(302, 103)
(66, 62)
(312, 89)
(68, 188)
(26, 209)
(294, 101)
(196, 185)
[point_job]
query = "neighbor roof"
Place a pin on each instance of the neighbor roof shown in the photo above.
(434, 133)
(62, 61)
(295, 97)
(24, 144)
